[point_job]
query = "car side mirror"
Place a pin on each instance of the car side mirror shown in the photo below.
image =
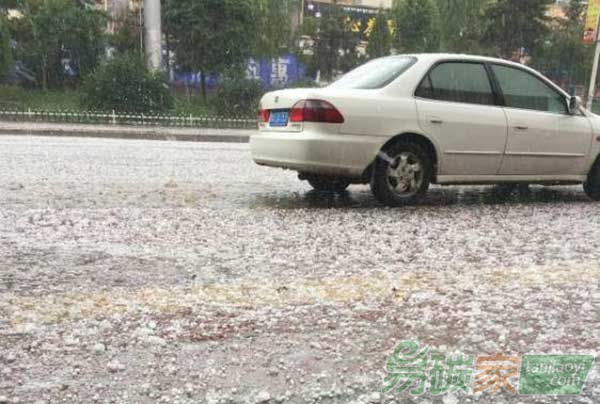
(574, 104)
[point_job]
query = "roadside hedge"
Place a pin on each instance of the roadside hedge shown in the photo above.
(123, 84)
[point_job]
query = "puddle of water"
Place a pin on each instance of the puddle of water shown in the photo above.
(314, 200)
(361, 197)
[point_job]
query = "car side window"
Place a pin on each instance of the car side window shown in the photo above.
(525, 91)
(457, 82)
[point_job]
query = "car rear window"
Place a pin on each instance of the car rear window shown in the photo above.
(375, 74)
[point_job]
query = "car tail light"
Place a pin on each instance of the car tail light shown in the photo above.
(263, 115)
(315, 111)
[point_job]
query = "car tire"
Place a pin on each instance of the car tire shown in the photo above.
(401, 174)
(327, 184)
(592, 185)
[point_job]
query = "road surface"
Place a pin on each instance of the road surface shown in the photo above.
(144, 272)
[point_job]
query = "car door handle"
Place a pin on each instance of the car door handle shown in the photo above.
(521, 127)
(436, 121)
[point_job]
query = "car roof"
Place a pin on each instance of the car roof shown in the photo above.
(432, 58)
(459, 56)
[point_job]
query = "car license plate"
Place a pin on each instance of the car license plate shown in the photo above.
(278, 118)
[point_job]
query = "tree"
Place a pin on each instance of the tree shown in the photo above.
(310, 26)
(417, 25)
(53, 31)
(335, 45)
(275, 34)
(561, 54)
(128, 32)
(6, 60)
(124, 84)
(211, 36)
(516, 24)
(380, 38)
(6, 5)
(463, 25)
(274, 30)
(238, 97)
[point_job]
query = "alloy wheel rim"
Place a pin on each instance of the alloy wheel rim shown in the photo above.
(405, 174)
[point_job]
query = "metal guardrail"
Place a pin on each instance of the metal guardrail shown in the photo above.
(114, 118)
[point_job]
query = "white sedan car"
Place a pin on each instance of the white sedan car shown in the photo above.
(403, 122)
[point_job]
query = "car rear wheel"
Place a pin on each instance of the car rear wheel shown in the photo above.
(402, 174)
(327, 184)
(592, 185)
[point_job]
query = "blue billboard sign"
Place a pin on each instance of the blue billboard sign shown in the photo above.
(272, 73)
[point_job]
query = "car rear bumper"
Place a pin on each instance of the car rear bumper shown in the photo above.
(327, 154)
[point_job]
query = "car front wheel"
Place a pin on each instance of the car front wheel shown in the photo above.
(592, 185)
(401, 175)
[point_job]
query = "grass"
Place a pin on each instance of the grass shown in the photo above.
(193, 105)
(14, 97)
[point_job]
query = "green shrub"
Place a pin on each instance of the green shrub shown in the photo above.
(193, 105)
(124, 84)
(13, 96)
(238, 97)
(5, 50)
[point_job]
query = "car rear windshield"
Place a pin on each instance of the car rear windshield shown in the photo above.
(377, 73)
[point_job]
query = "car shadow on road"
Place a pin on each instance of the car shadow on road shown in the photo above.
(360, 197)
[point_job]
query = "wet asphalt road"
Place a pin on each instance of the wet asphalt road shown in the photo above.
(141, 271)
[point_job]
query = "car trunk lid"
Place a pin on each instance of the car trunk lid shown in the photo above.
(278, 104)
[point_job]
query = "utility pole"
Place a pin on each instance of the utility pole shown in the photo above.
(592, 89)
(141, 25)
(153, 34)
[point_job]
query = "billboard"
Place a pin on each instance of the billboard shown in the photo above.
(272, 73)
(277, 72)
(590, 33)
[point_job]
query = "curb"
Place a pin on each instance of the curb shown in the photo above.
(160, 135)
